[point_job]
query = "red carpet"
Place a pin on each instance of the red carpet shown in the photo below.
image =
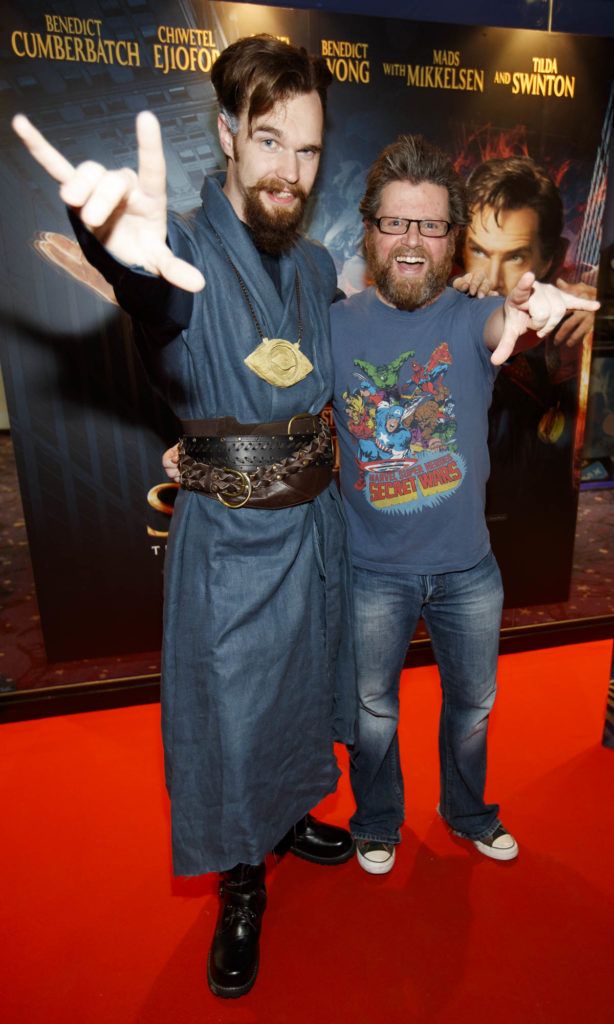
(95, 931)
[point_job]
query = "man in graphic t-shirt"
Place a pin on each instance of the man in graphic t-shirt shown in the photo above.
(415, 364)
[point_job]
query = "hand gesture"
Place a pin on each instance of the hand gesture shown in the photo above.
(576, 326)
(475, 283)
(126, 210)
(531, 306)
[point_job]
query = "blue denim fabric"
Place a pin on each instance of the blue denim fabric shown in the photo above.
(462, 611)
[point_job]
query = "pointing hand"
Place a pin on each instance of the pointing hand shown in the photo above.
(531, 306)
(125, 209)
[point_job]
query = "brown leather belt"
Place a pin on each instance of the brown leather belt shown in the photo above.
(228, 426)
(257, 465)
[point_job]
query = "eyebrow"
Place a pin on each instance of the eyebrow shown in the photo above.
(521, 251)
(267, 128)
(398, 216)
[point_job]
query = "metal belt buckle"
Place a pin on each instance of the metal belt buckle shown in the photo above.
(245, 485)
(301, 416)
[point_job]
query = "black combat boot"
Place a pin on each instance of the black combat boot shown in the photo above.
(232, 966)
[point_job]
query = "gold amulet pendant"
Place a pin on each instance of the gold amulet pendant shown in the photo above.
(279, 362)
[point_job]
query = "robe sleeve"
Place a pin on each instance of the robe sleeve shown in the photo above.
(148, 298)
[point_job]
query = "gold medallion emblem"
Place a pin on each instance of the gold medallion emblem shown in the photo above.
(279, 362)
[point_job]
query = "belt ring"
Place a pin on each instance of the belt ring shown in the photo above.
(299, 416)
(246, 483)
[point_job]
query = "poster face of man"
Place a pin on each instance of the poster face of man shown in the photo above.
(503, 246)
(88, 407)
(516, 225)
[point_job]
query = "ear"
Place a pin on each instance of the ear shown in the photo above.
(225, 136)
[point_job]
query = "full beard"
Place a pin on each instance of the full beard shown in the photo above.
(274, 230)
(404, 293)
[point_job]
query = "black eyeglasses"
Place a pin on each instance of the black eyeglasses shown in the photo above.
(401, 225)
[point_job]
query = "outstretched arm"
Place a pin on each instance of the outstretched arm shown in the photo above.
(530, 306)
(124, 209)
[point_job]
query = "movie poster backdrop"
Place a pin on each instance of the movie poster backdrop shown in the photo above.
(89, 432)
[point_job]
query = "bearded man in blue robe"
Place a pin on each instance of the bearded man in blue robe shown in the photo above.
(257, 674)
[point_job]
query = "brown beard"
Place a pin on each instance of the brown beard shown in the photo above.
(274, 231)
(404, 294)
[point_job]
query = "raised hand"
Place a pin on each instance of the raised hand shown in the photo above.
(576, 326)
(530, 306)
(475, 283)
(125, 209)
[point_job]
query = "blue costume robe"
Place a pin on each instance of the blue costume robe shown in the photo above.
(257, 671)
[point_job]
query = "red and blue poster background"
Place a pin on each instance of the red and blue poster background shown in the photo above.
(88, 432)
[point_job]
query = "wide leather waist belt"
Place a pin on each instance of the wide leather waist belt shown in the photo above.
(228, 426)
(265, 465)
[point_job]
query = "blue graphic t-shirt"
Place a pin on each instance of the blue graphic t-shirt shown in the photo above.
(412, 392)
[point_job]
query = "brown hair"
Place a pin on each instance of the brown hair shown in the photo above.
(255, 73)
(415, 160)
(513, 183)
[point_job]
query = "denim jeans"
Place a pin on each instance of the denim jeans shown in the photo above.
(462, 612)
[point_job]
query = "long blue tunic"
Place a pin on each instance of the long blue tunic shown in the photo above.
(257, 672)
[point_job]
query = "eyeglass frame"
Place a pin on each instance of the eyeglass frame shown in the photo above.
(410, 221)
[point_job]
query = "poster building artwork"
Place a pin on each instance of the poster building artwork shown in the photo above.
(87, 429)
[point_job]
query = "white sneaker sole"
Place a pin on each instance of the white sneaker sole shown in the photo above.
(376, 867)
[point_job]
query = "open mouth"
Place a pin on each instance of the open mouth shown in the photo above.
(409, 263)
(281, 197)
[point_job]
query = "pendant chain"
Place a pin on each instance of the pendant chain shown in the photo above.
(248, 300)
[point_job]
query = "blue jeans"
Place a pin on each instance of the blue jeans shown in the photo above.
(462, 612)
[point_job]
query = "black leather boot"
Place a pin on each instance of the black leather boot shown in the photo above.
(317, 842)
(232, 966)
